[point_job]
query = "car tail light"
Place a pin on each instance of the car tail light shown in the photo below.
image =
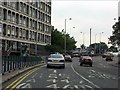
(62, 60)
(49, 60)
(82, 58)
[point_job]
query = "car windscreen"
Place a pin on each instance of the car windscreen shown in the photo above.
(56, 56)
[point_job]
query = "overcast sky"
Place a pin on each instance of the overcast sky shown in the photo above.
(98, 15)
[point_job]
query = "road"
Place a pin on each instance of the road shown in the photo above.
(102, 75)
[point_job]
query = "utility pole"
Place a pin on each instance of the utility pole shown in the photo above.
(90, 36)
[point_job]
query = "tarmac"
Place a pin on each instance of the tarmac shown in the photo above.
(9, 75)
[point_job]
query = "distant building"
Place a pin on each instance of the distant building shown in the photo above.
(25, 27)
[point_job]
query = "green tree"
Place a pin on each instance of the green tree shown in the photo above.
(57, 42)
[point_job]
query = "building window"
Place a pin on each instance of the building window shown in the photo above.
(24, 8)
(20, 20)
(33, 13)
(13, 4)
(9, 30)
(9, 16)
(24, 21)
(13, 31)
(24, 33)
(21, 6)
(13, 17)
(30, 11)
(0, 28)
(0, 13)
(20, 32)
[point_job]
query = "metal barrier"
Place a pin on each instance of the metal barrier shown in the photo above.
(10, 63)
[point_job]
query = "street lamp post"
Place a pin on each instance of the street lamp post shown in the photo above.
(65, 35)
(83, 37)
(100, 42)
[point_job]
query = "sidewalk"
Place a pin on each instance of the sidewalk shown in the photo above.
(12, 74)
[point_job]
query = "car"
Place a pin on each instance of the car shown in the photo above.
(109, 57)
(75, 54)
(85, 60)
(107, 54)
(56, 60)
(68, 57)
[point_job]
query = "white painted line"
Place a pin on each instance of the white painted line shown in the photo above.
(67, 81)
(88, 86)
(34, 75)
(60, 75)
(82, 87)
(20, 85)
(54, 71)
(52, 86)
(27, 86)
(66, 86)
(81, 82)
(54, 80)
(76, 86)
(92, 71)
(84, 78)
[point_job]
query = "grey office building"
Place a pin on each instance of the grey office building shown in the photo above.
(25, 27)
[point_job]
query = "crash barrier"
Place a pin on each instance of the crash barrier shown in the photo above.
(10, 63)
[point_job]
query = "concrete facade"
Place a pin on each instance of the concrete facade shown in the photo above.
(25, 27)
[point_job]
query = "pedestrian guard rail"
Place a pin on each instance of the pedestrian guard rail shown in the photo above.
(10, 63)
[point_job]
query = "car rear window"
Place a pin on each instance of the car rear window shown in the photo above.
(56, 56)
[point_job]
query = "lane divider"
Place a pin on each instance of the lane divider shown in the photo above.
(20, 79)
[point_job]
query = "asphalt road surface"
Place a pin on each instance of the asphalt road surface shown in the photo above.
(102, 75)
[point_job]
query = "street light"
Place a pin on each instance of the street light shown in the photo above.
(65, 34)
(100, 41)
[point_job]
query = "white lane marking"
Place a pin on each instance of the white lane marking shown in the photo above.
(34, 75)
(89, 87)
(66, 86)
(52, 86)
(82, 87)
(54, 71)
(84, 78)
(20, 85)
(92, 71)
(31, 80)
(76, 86)
(81, 82)
(27, 86)
(60, 75)
(54, 81)
(67, 81)
(52, 76)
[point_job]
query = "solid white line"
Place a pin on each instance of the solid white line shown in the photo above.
(76, 86)
(84, 78)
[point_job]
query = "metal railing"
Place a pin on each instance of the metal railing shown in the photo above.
(11, 63)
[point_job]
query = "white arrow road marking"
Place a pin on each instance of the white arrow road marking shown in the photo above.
(54, 71)
(76, 86)
(89, 87)
(81, 82)
(60, 75)
(53, 80)
(27, 86)
(20, 85)
(66, 86)
(65, 80)
(52, 86)
(31, 80)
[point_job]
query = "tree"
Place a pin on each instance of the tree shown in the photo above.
(57, 42)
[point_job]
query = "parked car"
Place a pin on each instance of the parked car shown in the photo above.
(68, 57)
(75, 54)
(85, 60)
(56, 60)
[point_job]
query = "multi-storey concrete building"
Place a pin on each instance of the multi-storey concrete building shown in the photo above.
(25, 27)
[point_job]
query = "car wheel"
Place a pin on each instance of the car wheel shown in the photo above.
(48, 66)
(63, 67)
(80, 64)
(91, 65)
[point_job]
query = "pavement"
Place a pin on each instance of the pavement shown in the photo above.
(9, 75)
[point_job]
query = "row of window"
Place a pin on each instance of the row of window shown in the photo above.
(25, 21)
(27, 9)
(21, 33)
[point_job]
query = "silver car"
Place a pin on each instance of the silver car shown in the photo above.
(56, 60)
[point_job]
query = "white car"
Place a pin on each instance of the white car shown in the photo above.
(56, 60)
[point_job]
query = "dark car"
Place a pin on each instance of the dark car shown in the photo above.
(109, 57)
(85, 60)
(68, 57)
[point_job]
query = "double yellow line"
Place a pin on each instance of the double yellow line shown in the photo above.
(20, 79)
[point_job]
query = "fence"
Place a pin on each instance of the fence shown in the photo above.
(10, 63)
